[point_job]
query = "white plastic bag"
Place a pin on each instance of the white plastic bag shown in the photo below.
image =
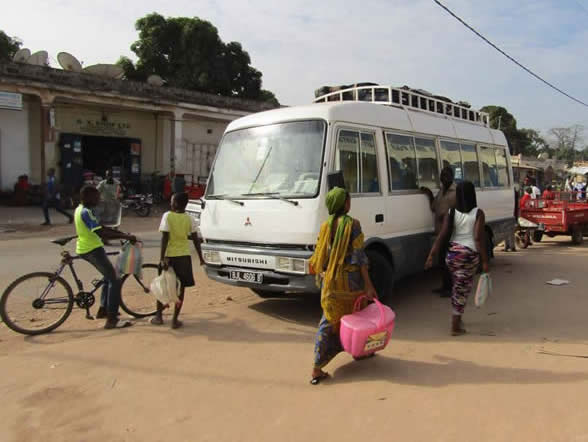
(166, 287)
(483, 290)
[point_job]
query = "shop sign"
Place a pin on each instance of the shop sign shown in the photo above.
(9, 100)
(101, 127)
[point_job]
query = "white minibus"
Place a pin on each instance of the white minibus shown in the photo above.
(265, 198)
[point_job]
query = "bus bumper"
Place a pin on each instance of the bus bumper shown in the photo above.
(272, 281)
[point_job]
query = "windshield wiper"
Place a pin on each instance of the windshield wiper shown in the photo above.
(223, 196)
(272, 195)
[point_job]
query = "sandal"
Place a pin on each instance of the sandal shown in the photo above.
(156, 321)
(118, 324)
(458, 332)
(317, 379)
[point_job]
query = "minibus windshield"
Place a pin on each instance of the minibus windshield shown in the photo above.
(282, 160)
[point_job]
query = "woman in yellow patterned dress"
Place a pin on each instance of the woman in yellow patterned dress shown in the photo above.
(341, 266)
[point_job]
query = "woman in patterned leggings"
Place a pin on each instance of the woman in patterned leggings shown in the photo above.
(465, 228)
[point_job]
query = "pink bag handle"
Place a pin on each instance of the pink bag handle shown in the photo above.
(357, 304)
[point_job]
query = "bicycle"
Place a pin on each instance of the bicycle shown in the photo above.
(52, 294)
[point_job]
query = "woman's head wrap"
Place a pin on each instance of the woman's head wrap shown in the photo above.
(336, 200)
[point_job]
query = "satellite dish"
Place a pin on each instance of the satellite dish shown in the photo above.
(105, 70)
(40, 58)
(22, 55)
(155, 80)
(68, 62)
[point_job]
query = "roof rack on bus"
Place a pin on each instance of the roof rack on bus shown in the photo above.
(408, 98)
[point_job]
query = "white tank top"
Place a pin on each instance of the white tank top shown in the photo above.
(463, 228)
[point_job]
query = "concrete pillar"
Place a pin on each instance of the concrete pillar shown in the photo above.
(47, 143)
(177, 150)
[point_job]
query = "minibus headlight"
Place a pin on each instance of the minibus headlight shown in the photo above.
(290, 265)
(283, 264)
(211, 257)
(299, 265)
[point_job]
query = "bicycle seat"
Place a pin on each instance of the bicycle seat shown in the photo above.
(63, 241)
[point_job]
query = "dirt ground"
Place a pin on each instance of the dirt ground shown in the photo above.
(239, 369)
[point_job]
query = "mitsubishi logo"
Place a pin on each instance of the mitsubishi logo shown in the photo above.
(248, 222)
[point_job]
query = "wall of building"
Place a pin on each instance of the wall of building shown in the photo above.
(200, 138)
(14, 146)
(85, 120)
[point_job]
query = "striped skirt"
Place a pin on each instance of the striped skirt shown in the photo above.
(463, 264)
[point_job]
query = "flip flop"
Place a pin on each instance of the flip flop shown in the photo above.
(317, 380)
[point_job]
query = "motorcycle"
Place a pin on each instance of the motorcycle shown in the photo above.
(524, 231)
(140, 203)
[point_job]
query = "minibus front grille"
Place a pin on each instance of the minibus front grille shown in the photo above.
(306, 248)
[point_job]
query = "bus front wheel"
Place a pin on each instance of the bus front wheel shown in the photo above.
(381, 273)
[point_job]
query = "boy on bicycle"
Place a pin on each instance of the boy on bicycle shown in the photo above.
(177, 229)
(90, 247)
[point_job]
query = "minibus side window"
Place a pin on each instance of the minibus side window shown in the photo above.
(451, 156)
(402, 168)
(427, 162)
(503, 178)
(471, 167)
(369, 164)
(489, 168)
(348, 159)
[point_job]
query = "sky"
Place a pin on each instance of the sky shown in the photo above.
(300, 45)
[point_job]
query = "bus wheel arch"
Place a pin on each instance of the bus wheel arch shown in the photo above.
(381, 269)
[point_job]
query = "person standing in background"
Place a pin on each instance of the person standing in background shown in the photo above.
(52, 198)
(440, 206)
(109, 211)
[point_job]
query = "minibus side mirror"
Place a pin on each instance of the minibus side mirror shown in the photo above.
(335, 179)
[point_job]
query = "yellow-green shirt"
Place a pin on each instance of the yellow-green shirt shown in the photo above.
(180, 227)
(86, 226)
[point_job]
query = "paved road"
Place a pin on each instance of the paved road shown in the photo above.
(239, 369)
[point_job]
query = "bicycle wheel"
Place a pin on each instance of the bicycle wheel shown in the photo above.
(134, 293)
(36, 303)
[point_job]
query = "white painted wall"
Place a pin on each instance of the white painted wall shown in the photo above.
(14, 146)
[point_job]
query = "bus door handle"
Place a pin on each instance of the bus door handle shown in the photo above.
(379, 218)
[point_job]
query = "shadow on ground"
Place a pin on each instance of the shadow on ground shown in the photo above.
(445, 372)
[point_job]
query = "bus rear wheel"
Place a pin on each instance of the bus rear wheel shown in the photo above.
(381, 273)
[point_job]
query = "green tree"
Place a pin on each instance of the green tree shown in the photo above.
(522, 141)
(8, 47)
(502, 119)
(188, 53)
(533, 143)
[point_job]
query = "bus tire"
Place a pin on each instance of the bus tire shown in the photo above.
(381, 273)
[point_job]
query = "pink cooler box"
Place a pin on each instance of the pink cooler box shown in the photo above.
(366, 331)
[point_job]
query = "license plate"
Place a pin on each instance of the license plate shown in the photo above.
(254, 277)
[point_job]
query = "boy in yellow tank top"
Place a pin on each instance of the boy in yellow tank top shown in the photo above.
(177, 230)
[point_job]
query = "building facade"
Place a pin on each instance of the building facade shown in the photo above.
(79, 123)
